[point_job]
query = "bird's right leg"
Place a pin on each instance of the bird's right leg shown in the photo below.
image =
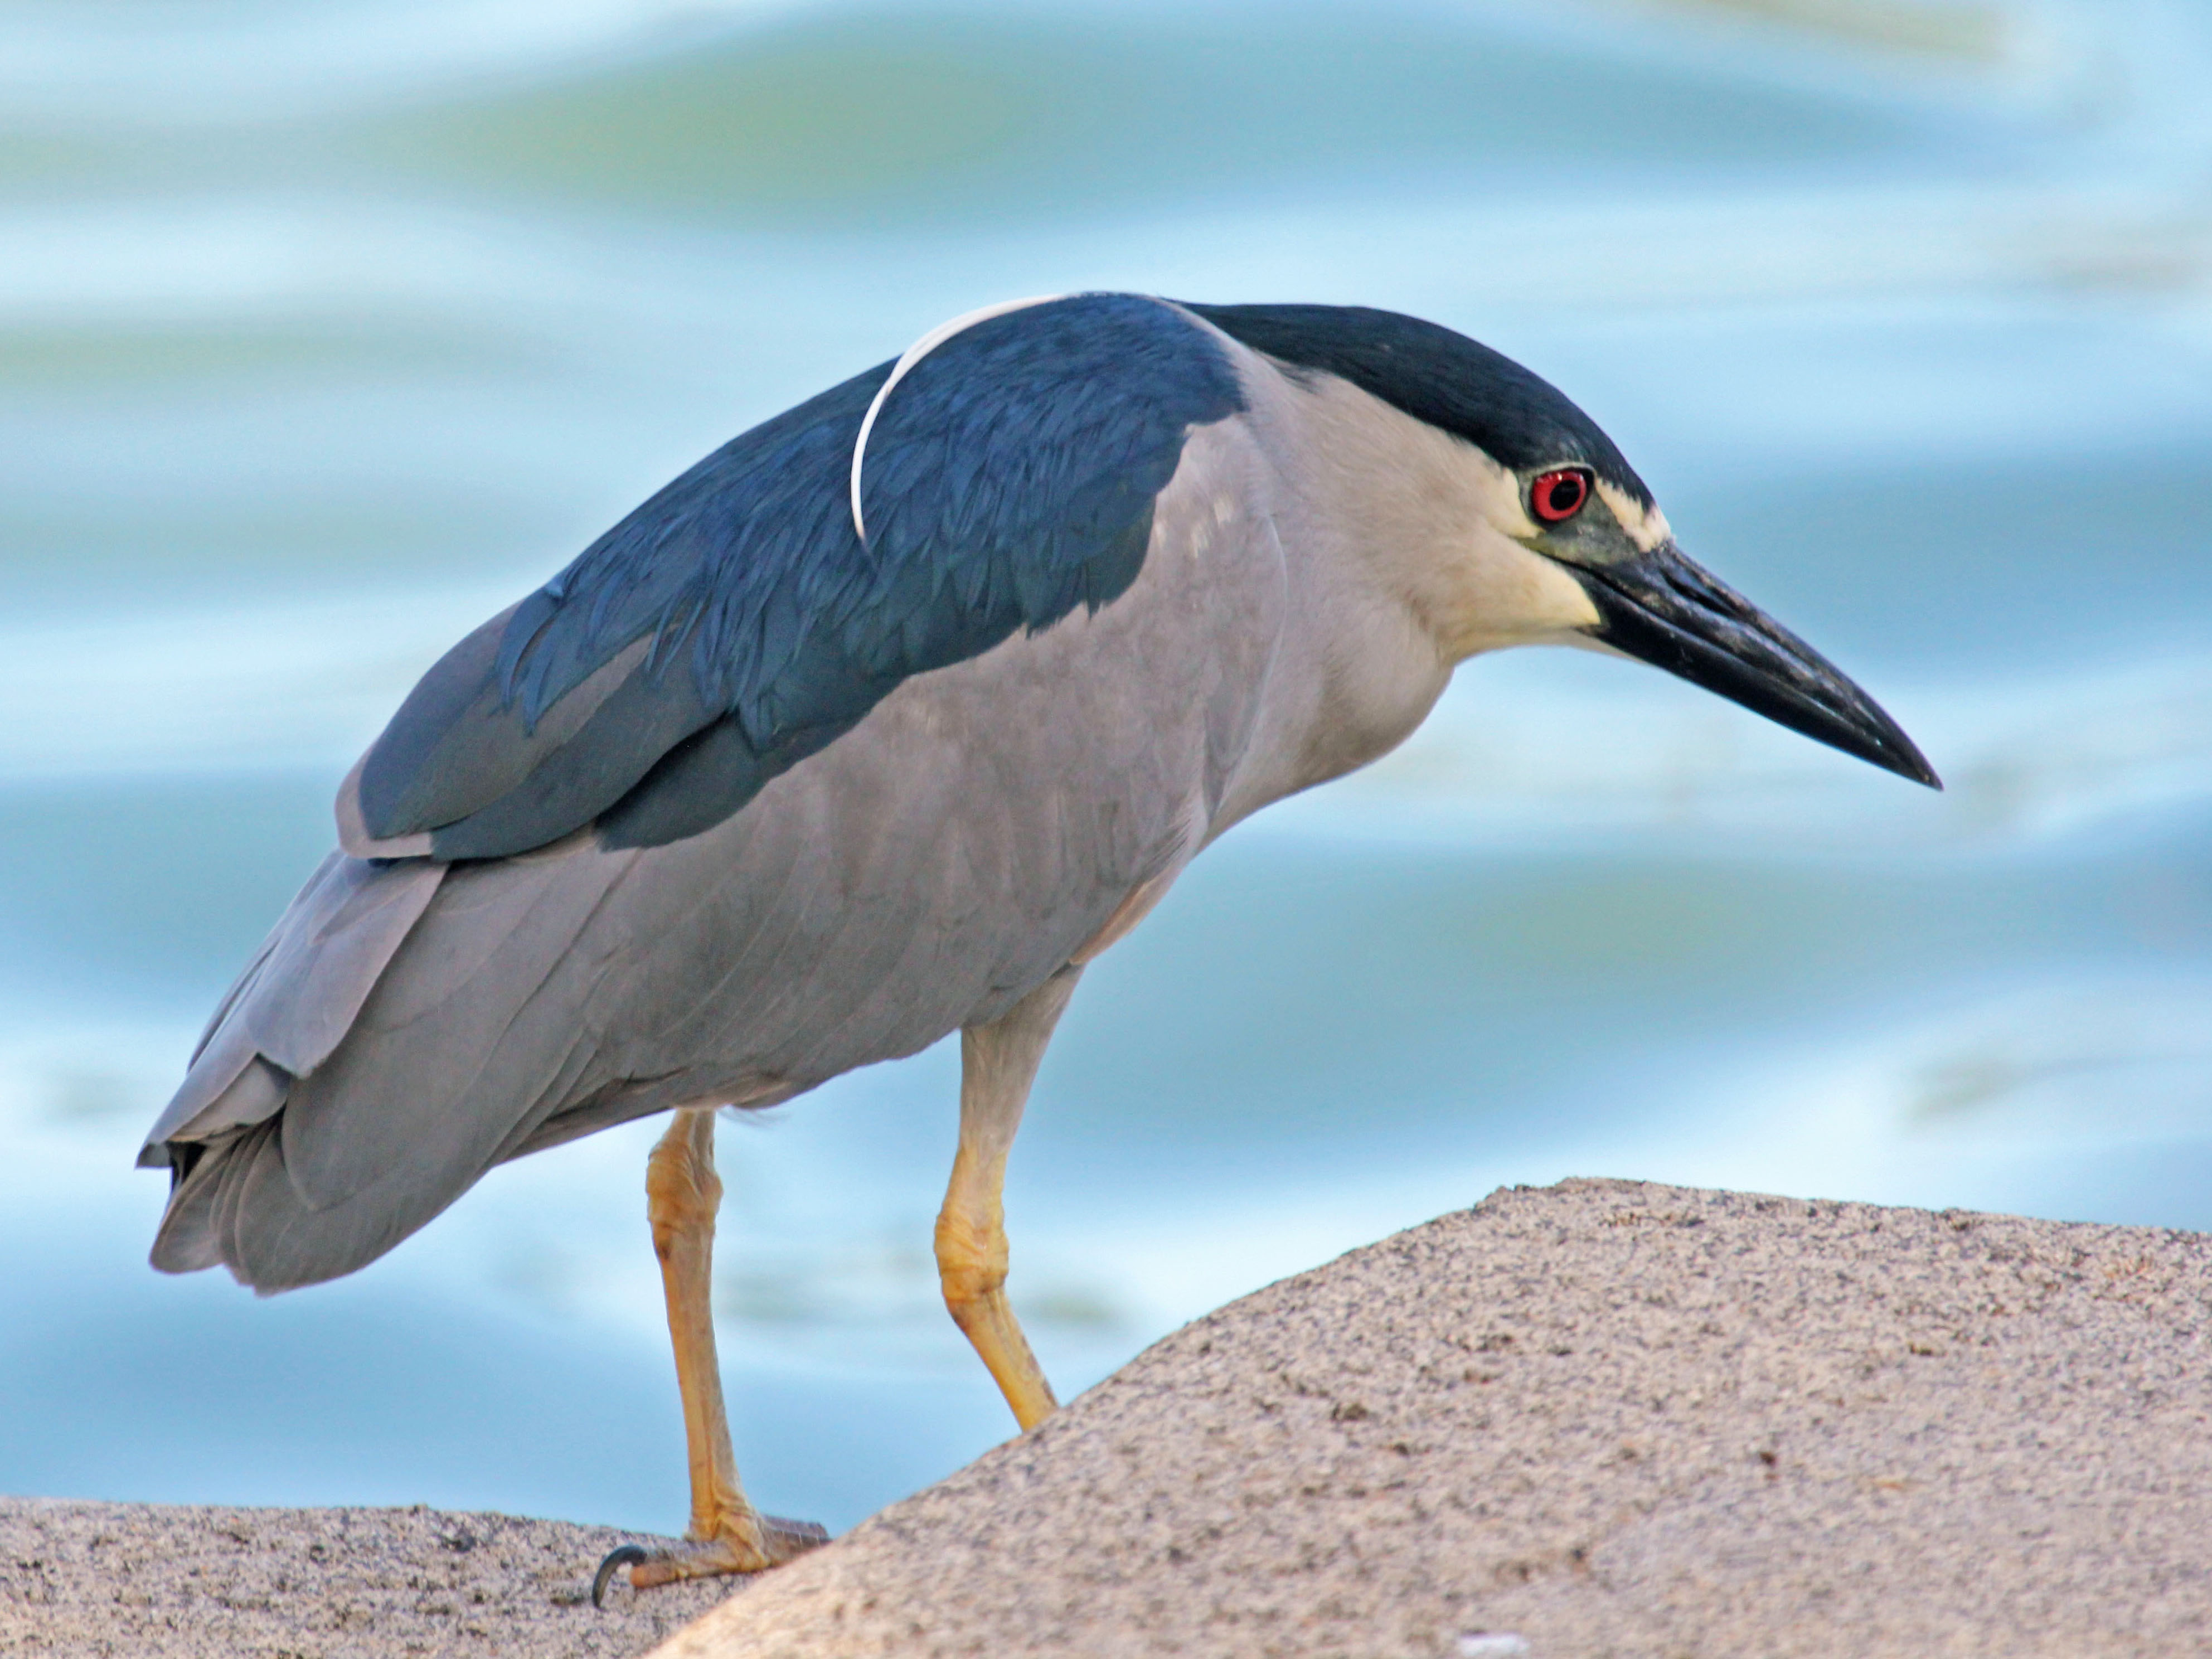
(726, 1534)
(997, 1063)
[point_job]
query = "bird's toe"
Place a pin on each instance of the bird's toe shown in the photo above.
(768, 1542)
(786, 1538)
(613, 1562)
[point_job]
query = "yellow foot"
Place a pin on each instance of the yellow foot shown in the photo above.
(769, 1543)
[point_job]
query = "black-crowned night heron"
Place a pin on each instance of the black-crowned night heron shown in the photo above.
(878, 724)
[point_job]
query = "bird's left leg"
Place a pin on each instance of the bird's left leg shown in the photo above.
(726, 1534)
(997, 1063)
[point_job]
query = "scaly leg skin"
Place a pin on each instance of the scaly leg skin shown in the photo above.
(997, 1063)
(726, 1534)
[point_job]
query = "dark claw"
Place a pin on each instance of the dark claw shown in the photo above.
(628, 1555)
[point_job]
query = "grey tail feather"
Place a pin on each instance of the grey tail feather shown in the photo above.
(298, 998)
(235, 1206)
(409, 1030)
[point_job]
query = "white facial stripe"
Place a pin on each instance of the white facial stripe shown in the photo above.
(1646, 525)
(913, 354)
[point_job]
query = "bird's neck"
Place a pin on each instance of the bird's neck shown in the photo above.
(1394, 574)
(1358, 664)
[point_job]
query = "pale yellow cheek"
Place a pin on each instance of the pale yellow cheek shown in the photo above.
(1509, 596)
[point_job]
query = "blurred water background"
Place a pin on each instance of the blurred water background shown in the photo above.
(326, 330)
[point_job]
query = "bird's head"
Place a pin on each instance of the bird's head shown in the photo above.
(1540, 479)
(1653, 603)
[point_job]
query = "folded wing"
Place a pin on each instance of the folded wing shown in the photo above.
(736, 623)
(415, 1017)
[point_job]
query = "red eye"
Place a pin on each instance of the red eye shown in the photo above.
(1557, 496)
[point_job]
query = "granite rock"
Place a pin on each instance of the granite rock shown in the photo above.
(1596, 1420)
(1601, 1418)
(159, 1581)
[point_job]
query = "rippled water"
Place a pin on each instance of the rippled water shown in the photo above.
(326, 331)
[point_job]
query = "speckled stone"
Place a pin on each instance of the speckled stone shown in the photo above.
(1601, 1419)
(152, 1581)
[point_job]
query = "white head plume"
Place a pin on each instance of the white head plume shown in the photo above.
(913, 354)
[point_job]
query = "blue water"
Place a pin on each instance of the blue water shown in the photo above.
(327, 331)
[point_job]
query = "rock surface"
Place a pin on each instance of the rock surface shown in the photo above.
(150, 1581)
(1603, 1419)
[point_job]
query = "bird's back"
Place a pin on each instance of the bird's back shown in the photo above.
(417, 1019)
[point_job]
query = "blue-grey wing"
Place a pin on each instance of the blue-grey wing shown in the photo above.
(737, 622)
(598, 932)
(415, 1021)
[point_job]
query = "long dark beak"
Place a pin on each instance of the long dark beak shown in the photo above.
(1662, 608)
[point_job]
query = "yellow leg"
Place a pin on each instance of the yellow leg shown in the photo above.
(683, 1193)
(726, 1535)
(999, 1062)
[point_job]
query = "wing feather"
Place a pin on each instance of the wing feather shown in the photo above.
(923, 848)
(466, 1039)
(1010, 481)
(296, 1002)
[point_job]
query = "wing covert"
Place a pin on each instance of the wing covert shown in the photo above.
(736, 622)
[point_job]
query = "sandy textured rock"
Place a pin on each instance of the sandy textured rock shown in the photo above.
(147, 1581)
(1610, 1418)
(1604, 1417)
